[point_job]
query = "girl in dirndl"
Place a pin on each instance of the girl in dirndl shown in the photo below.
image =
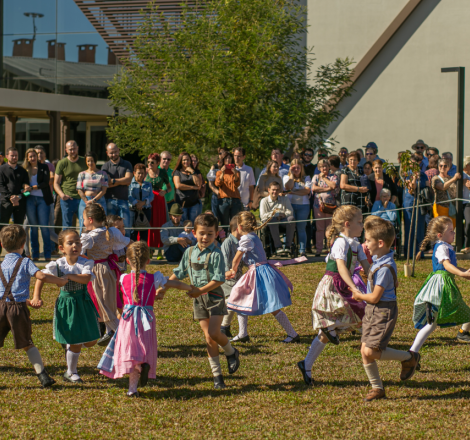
(75, 316)
(133, 348)
(334, 309)
(439, 301)
(100, 243)
(263, 289)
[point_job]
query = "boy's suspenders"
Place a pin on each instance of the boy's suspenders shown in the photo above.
(198, 266)
(8, 285)
(391, 269)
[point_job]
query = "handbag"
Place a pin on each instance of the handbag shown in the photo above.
(327, 208)
(141, 220)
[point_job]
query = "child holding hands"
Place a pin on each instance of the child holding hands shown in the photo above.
(381, 311)
(15, 275)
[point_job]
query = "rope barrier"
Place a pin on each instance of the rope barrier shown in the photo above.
(311, 220)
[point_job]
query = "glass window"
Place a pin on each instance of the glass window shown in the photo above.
(31, 132)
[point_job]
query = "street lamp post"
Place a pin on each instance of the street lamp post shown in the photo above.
(460, 152)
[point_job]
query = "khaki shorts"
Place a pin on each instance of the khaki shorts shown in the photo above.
(15, 318)
(378, 324)
(211, 304)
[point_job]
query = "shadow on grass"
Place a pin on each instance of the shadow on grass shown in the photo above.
(199, 350)
(41, 321)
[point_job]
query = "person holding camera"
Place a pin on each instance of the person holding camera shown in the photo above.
(227, 180)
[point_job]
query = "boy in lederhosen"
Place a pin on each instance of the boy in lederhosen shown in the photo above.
(15, 277)
(204, 264)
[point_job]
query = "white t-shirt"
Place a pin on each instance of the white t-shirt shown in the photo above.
(442, 251)
(81, 267)
(247, 179)
(340, 249)
(38, 192)
(294, 199)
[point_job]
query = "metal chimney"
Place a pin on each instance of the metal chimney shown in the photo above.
(55, 49)
(86, 53)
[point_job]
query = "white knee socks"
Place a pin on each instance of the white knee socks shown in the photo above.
(133, 381)
(228, 318)
(228, 349)
(72, 362)
(242, 326)
(286, 325)
(35, 358)
(422, 335)
(390, 354)
(215, 366)
(373, 374)
(315, 350)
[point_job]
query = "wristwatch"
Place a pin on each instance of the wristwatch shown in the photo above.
(113, 181)
(251, 201)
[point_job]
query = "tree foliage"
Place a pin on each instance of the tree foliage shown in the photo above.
(225, 73)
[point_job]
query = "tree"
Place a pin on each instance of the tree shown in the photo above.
(225, 73)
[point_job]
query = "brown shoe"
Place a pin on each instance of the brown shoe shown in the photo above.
(408, 368)
(374, 394)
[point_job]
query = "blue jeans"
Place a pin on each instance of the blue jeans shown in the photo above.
(215, 205)
(174, 253)
(229, 208)
(301, 212)
(69, 208)
(192, 212)
(82, 206)
(408, 203)
(120, 208)
(38, 214)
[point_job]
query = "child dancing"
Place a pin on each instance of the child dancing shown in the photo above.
(263, 289)
(229, 250)
(439, 301)
(205, 266)
(333, 305)
(15, 277)
(75, 316)
(381, 311)
(133, 349)
(100, 244)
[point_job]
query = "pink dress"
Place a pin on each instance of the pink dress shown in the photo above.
(135, 341)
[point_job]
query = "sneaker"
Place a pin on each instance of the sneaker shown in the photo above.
(291, 340)
(144, 375)
(45, 379)
(226, 331)
(408, 368)
(333, 339)
(375, 394)
(307, 380)
(136, 394)
(279, 251)
(463, 336)
(233, 362)
(303, 254)
(104, 340)
(219, 383)
(238, 339)
(68, 377)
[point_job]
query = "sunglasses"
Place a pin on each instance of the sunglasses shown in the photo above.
(308, 154)
(369, 154)
(164, 158)
(419, 148)
(151, 162)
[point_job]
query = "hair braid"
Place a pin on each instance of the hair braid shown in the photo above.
(257, 228)
(137, 257)
(437, 225)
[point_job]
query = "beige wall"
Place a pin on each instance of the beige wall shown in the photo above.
(402, 96)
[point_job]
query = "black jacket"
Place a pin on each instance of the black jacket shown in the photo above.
(44, 176)
(12, 182)
(388, 184)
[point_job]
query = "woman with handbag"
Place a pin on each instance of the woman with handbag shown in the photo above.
(140, 203)
(325, 189)
(298, 186)
(445, 188)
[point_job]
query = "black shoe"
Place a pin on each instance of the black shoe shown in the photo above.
(104, 341)
(318, 254)
(102, 329)
(45, 379)
(144, 375)
(238, 339)
(307, 380)
(463, 336)
(308, 250)
(68, 378)
(429, 314)
(226, 331)
(418, 367)
(293, 250)
(233, 362)
(136, 394)
(331, 338)
(291, 340)
(219, 383)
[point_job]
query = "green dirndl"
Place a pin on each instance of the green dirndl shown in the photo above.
(75, 316)
(448, 306)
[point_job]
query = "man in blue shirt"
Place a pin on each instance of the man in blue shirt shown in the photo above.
(452, 168)
(419, 146)
(277, 156)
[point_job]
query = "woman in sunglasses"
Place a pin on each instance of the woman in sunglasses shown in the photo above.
(352, 190)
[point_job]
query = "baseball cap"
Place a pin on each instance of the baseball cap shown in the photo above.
(372, 145)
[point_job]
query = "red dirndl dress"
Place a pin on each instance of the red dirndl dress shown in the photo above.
(158, 219)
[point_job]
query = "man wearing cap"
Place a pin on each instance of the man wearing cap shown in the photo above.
(420, 147)
(174, 246)
(371, 152)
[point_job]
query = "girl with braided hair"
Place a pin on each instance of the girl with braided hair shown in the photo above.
(439, 302)
(263, 289)
(334, 307)
(133, 348)
(100, 242)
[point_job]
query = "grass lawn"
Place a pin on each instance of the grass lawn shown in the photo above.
(266, 398)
